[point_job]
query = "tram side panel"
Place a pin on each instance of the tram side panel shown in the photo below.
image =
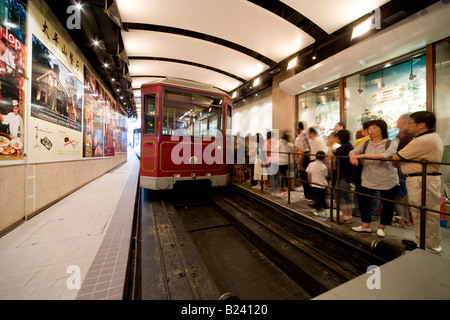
(168, 159)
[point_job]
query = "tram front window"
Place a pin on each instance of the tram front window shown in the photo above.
(191, 114)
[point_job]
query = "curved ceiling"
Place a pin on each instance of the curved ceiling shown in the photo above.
(227, 44)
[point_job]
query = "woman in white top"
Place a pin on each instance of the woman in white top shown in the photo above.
(376, 175)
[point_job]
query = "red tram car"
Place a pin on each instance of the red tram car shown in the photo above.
(183, 133)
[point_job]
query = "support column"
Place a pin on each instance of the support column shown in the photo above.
(283, 105)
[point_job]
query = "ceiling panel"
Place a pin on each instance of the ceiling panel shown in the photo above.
(333, 15)
(409, 35)
(183, 71)
(173, 46)
(237, 21)
(139, 81)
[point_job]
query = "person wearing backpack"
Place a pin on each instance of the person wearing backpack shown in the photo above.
(376, 175)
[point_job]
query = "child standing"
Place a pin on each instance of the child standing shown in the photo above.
(317, 177)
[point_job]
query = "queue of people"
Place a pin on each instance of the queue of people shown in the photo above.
(374, 166)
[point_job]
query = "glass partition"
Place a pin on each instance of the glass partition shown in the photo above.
(191, 114)
(386, 92)
(149, 126)
(442, 107)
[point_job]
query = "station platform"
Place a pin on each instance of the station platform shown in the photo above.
(78, 249)
(394, 235)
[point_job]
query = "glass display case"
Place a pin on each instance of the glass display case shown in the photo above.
(386, 92)
(320, 108)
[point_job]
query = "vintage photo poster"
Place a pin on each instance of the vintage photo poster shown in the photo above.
(93, 116)
(56, 94)
(56, 108)
(13, 61)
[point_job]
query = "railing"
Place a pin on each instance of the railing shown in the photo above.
(331, 187)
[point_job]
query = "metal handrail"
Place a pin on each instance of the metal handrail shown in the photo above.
(332, 187)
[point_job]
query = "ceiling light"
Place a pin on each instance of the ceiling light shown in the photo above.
(362, 28)
(292, 63)
(78, 6)
(256, 82)
(105, 65)
(314, 55)
(96, 43)
(234, 95)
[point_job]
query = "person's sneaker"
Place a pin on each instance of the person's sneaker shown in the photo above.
(381, 233)
(361, 229)
(319, 213)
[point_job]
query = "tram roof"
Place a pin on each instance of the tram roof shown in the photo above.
(185, 83)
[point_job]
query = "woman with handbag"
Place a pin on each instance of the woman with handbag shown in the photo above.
(376, 175)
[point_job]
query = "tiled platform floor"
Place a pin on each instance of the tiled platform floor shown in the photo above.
(89, 229)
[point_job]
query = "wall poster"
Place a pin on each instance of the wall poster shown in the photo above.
(121, 134)
(56, 107)
(94, 101)
(109, 127)
(13, 62)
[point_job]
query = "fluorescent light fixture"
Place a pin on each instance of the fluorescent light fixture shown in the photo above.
(234, 95)
(292, 63)
(362, 28)
(256, 82)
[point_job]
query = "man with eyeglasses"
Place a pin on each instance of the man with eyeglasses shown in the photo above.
(426, 145)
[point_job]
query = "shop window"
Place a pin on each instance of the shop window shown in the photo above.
(387, 92)
(319, 108)
(441, 107)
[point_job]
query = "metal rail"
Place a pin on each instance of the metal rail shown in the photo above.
(332, 188)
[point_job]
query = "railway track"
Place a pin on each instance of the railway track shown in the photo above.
(228, 242)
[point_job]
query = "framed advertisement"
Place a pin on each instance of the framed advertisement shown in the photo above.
(13, 61)
(93, 134)
(56, 107)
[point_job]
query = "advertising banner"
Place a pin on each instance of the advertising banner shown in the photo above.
(13, 61)
(52, 141)
(94, 101)
(56, 97)
(109, 127)
(121, 134)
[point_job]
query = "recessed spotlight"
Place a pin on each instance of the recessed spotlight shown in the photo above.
(105, 65)
(292, 63)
